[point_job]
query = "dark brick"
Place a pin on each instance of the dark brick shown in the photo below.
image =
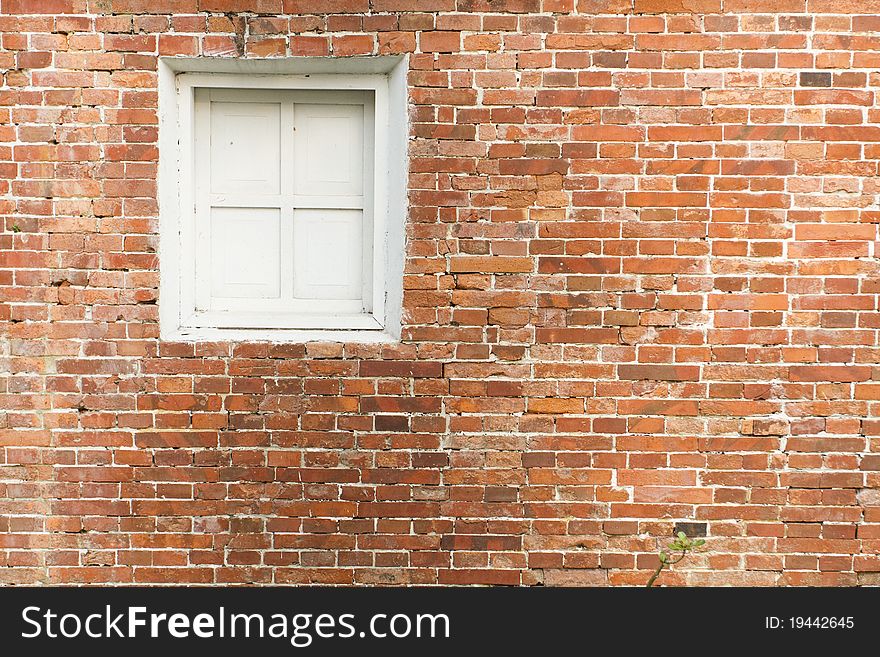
(815, 78)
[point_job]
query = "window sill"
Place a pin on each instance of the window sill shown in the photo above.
(361, 336)
(282, 321)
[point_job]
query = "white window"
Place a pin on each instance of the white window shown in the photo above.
(286, 220)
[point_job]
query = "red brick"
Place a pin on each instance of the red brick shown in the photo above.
(44, 6)
(309, 46)
(439, 41)
(677, 6)
(577, 98)
(659, 372)
(829, 373)
(348, 45)
(497, 264)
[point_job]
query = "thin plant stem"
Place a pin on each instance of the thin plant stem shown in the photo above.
(655, 575)
(663, 565)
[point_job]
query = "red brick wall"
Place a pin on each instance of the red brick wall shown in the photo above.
(641, 290)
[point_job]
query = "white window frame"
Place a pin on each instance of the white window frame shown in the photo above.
(384, 202)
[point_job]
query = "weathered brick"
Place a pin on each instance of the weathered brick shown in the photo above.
(659, 372)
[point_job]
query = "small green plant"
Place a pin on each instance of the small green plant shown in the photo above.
(678, 550)
(16, 228)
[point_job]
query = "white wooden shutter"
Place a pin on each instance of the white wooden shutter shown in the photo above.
(245, 155)
(283, 223)
(328, 149)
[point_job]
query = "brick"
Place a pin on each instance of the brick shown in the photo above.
(151, 6)
(439, 41)
(829, 373)
(271, 47)
(815, 78)
(308, 46)
(498, 264)
(325, 6)
(130, 42)
(659, 372)
(256, 6)
(832, 97)
(44, 6)
(556, 406)
(348, 45)
(401, 369)
(677, 6)
(391, 43)
(660, 97)
(577, 98)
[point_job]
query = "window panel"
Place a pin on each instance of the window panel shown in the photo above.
(328, 150)
(245, 253)
(328, 254)
(245, 148)
(309, 158)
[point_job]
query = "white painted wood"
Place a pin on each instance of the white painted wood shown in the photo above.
(272, 169)
(371, 335)
(392, 174)
(195, 247)
(285, 320)
(245, 148)
(245, 253)
(338, 284)
(328, 254)
(378, 205)
(337, 83)
(286, 205)
(328, 151)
